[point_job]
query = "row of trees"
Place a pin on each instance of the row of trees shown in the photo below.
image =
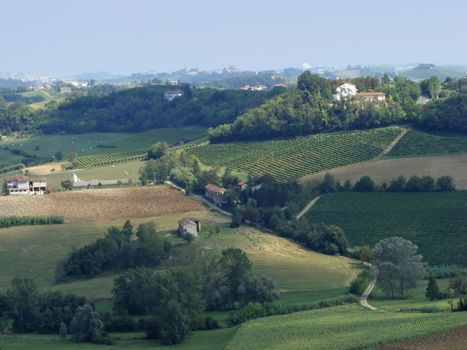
(118, 249)
(400, 184)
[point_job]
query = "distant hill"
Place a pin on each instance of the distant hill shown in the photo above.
(424, 71)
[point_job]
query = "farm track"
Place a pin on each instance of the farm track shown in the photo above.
(395, 142)
(307, 207)
(369, 289)
(101, 204)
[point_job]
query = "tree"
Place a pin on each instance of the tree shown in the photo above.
(58, 156)
(397, 185)
(458, 286)
(234, 264)
(158, 149)
(172, 324)
(67, 184)
(86, 325)
(22, 299)
(365, 184)
(366, 254)
(328, 184)
(63, 330)
(430, 87)
(432, 290)
(314, 84)
(400, 267)
(5, 191)
(445, 184)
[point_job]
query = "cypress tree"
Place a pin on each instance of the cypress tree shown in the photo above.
(432, 290)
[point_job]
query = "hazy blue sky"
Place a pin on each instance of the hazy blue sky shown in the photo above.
(62, 37)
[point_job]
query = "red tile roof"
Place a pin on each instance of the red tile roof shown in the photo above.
(369, 94)
(214, 188)
(17, 178)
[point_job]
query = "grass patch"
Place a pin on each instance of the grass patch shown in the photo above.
(436, 222)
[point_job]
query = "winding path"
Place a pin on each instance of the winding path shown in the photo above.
(369, 289)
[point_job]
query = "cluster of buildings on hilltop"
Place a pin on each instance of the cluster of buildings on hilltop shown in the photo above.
(347, 90)
(25, 185)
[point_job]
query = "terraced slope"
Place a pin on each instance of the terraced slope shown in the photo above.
(294, 158)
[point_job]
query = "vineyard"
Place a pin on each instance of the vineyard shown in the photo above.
(418, 143)
(339, 328)
(436, 222)
(294, 158)
(106, 159)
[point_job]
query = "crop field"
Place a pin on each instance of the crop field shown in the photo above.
(418, 143)
(294, 158)
(436, 222)
(101, 204)
(340, 328)
(388, 169)
(106, 159)
(101, 143)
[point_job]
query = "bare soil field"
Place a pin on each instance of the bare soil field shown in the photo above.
(453, 340)
(388, 169)
(101, 204)
(46, 169)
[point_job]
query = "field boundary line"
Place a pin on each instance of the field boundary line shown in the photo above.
(395, 142)
(307, 207)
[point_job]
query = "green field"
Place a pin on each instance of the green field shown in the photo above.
(102, 143)
(418, 143)
(436, 222)
(340, 328)
(294, 158)
(34, 251)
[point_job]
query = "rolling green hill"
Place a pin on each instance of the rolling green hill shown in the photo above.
(340, 328)
(419, 143)
(436, 222)
(294, 158)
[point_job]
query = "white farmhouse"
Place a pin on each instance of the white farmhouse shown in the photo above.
(24, 185)
(345, 90)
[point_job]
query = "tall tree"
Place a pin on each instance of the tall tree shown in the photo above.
(86, 325)
(400, 267)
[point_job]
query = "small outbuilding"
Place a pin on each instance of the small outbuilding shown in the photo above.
(189, 226)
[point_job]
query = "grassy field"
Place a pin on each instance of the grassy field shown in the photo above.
(34, 251)
(294, 158)
(419, 143)
(340, 328)
(102, 143)
(388, 169)
(436, 222)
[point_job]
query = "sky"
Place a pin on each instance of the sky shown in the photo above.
(58, 37)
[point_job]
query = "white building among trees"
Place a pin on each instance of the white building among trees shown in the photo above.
(345, 90)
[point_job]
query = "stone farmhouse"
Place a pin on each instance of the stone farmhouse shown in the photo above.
(25, 185)
(189, 226)
(215, 193)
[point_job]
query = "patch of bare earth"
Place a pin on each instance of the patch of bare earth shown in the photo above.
(46, 169)
(101, 204)
(452, 340)
(388, 169)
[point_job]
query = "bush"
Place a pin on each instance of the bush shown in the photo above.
(360, 283)
(210, 323)
(365, 184)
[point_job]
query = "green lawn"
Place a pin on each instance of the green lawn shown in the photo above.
(340, 328)
(294, 158)
(436, 222)
(95, 143)
(419, 143)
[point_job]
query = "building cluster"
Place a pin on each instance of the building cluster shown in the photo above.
(254, 87)
(347, 90)
(25, 185)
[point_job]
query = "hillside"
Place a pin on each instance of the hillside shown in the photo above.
(436, 222)
(339, 328)
(294, 158)
(143, 108)
(425, 71)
